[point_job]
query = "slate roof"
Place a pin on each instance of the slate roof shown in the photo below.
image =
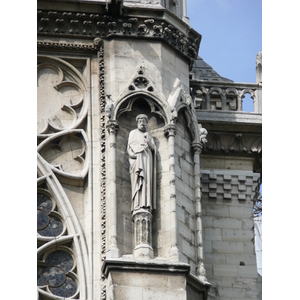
(203, 71)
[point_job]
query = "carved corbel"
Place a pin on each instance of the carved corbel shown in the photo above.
(170, 130)
(98, 43)
(203, 133)
(112, 127)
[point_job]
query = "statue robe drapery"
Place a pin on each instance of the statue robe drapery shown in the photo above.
(142, 170)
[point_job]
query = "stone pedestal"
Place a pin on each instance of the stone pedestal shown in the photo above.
(143, 280)
(142, 220)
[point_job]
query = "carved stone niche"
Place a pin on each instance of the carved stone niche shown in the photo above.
(134, 227)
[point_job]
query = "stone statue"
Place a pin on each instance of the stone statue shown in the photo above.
(142, 160)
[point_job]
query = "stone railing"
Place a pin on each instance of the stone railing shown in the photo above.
(225, 96)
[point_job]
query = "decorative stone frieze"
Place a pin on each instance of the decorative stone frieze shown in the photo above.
(235, 142)
(91, 25)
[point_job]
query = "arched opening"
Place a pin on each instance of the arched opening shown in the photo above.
(248, 105)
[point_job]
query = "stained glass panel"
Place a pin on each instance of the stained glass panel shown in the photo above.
(53, 276)
(54, 228)
(68, 289)
(44, 203)
(62, 259)
(42, 219)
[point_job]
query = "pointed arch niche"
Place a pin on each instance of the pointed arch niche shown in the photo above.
(126, 118)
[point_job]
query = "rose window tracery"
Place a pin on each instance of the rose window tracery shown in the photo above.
(63, 156)
(55, 273)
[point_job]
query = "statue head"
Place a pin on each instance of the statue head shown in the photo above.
(142, 121)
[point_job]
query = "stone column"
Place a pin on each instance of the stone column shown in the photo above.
(185, 18)
(200, 269)
(142, 220)
(239, 103)
(170, 132)
(113, 251)
(258, 105)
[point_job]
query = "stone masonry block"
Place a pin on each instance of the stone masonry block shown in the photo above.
(212, 195)
(186, 166)
(225, 270)
(236, 235)
(185, 189)
(212, 176)
(242, 178)
(227, 223)
(216, 210)
(247, 271)
(205, 188)
(185, 203)
(212, 186)
(207, 221)
(215, 258)
(189, 250)
(185, 177)
(227, 177)
(242, 197)
(240, 212)
(242, 187)
(232, 293)
(249, 248)
(227, 247)
(185, 232)
(247, 224)
(227, 196)
(186, 145)
(248, 283)
(227, 186)
(213, 234)
(238, 259)
(207, 246)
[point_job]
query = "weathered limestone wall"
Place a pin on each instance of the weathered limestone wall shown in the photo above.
(122, 57)
(229, 253)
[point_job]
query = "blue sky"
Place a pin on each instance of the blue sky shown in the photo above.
(231, 35)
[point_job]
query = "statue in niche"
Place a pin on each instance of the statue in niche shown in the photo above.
(142, 159)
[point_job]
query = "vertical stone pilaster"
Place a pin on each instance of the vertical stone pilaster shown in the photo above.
(200, 269)
(113, 250)
(170, 132)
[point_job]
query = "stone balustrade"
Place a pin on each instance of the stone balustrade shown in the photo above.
(225, 96)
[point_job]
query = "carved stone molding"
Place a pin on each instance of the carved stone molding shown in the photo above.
(82, 25)
(221, 142)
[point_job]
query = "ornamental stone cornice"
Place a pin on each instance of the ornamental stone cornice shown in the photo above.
(72, 24)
